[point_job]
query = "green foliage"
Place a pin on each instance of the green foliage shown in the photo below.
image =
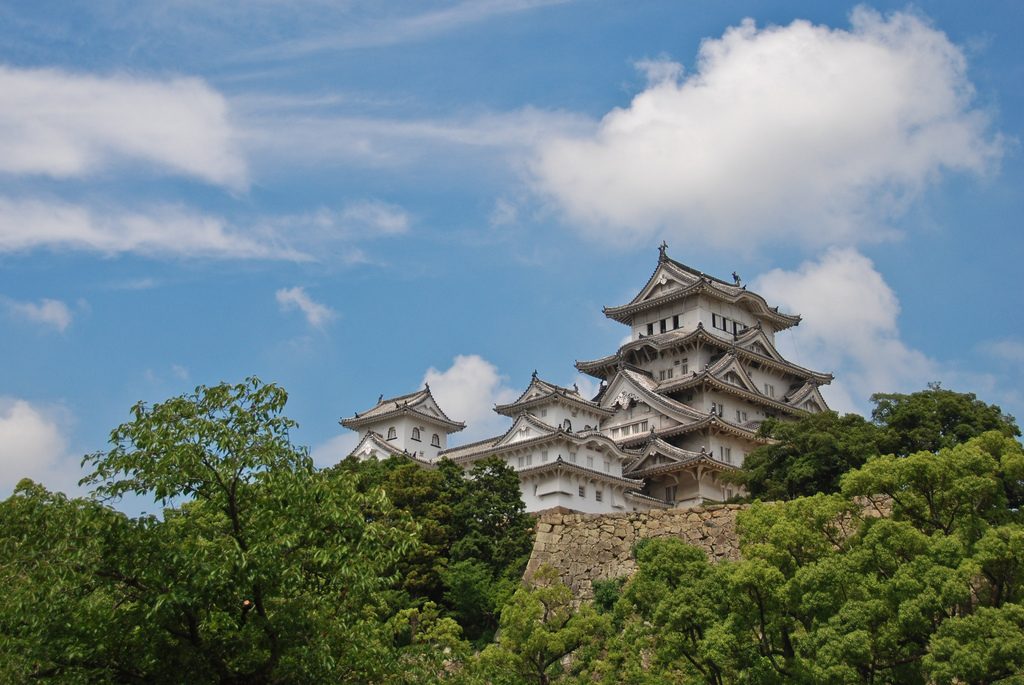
(264, 574)
(808, 455)
(958, 489)
(985, 647)
(607, 593)
(540, 628)
(473, 537)
(827, 591)
(933, 419)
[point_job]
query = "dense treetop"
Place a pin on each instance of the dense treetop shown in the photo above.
(810, 455)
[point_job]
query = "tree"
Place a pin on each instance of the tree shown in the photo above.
(493, 540)
(931, 419)
(263, 573)
(811, 453)
(473, 535)
(540, 628)
(927, 588)
(808, 455)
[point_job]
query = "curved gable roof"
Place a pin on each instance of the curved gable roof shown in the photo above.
(672, 281)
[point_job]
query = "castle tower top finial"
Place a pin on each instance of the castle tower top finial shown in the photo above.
(662, 256)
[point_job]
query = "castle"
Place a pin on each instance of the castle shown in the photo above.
(679, 405)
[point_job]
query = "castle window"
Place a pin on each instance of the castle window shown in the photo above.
(769, 390)
(583, 491)
(416, 434)
(725, 453)
(392, 433)
(590, 462)
(670, 493)
(435, 440)
(543, 412)
(664, 325)
(572, 457)
(741, 416)
(599, 495)
(607, 466)
(544, 456)
(520, 462)
(661, 375)
(529, 459)
(717, 408)
(675, 321)
(650, 329)
(669, 373)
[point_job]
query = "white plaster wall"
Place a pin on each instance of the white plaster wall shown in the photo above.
(403, 426)
(553, 490)
(555, 414)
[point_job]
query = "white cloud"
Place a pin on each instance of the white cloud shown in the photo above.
(359, 220)
(403, 29)
(32, 445)
(173, 231)
(588, 387)
(1007, 350)
(850, 328)
(796, 133)
(659, 70)
(27, 224)
(467, 391)
(53, 313)
(376, 218)
(63, 124)
(317, 315)
(333, 450)
(280, 132)
(505, 213)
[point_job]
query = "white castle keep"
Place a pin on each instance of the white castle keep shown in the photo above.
(680, 404)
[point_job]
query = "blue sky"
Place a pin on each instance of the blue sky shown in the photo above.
(349, 198)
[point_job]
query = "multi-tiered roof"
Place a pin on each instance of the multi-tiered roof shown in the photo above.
(678, 315)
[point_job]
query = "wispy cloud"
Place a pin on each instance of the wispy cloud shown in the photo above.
(1008, 350)
(50, 313)
(171, 231)
(317, 314)
(65, 124)
(402, 29)
(163, 231)
(286, 135)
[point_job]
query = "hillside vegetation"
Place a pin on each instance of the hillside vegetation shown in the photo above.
(264, 569)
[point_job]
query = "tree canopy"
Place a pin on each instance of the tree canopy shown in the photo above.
(264, 574)
(810, 454)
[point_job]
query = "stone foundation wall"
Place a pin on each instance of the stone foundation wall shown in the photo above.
(589, 547)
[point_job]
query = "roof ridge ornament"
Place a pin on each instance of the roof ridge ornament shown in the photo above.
(662, 256)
